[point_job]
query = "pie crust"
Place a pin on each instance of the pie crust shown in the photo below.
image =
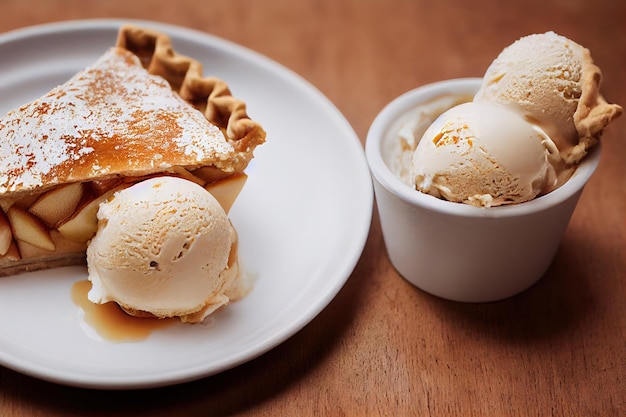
(113, 124)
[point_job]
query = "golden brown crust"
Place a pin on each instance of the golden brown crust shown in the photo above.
(593, 113)
(210, 95)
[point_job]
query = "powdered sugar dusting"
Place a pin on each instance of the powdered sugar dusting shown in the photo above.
(111, 118)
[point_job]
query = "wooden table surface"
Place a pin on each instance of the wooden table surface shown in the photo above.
(383, 347)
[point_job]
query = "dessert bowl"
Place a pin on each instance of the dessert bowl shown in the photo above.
(453, 250)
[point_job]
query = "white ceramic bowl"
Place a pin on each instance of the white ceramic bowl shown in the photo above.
(456, 251)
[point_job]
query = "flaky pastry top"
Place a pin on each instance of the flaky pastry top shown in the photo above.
(210, 95)
(140, 109)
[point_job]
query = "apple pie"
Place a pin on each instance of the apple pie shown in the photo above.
(139, 111)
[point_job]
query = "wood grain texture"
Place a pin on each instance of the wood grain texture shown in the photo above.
(383, 347)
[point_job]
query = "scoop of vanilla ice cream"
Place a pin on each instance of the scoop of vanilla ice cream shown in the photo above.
(551, 81)
(162, 248)
(483, 155)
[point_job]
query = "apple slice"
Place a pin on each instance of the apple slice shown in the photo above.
(183, 173)
(56, 205)
(25, 226)
(210, 174)
(21, 202)
(6, 235)
(13, 253)
(5, 203)
(226, 190)
(83, 224)
(104, 185)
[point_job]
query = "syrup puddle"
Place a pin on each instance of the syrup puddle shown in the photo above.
(110, 322)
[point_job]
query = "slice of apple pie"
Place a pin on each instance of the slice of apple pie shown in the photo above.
(141, 110)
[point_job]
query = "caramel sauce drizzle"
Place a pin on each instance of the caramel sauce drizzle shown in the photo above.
(110, 322)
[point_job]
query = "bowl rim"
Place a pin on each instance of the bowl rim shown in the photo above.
(381, 172)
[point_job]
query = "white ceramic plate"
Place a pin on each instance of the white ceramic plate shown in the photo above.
(303, 219)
